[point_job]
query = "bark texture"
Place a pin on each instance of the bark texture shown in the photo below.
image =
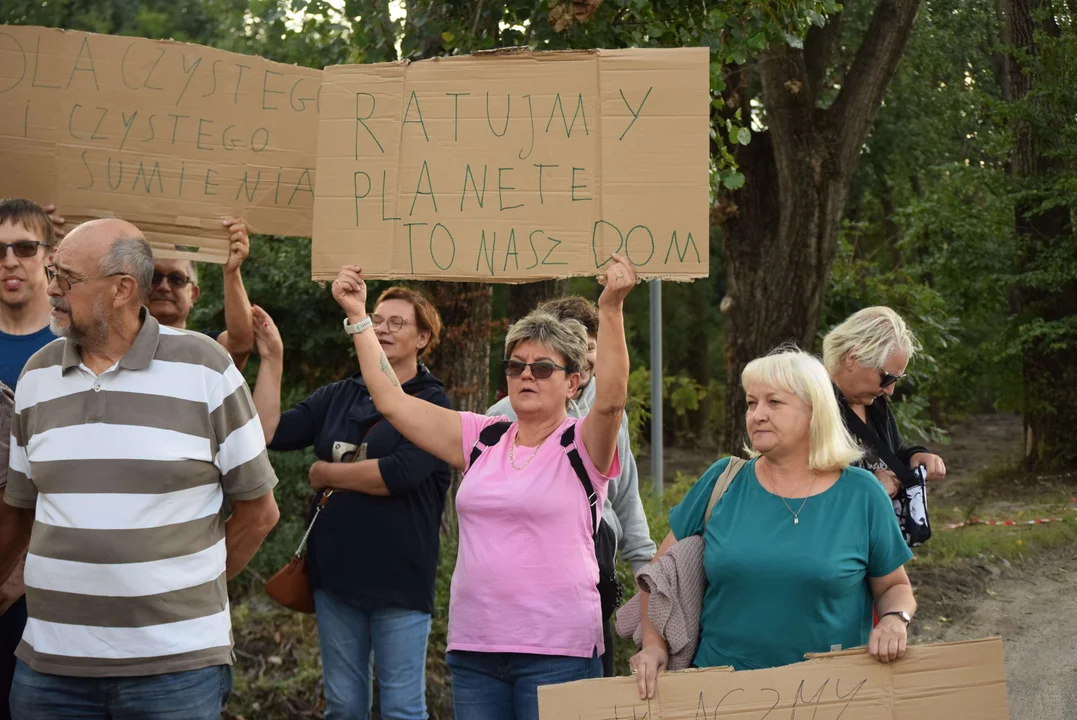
(780, 230)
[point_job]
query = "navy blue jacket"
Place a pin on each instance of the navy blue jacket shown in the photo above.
(381, 552)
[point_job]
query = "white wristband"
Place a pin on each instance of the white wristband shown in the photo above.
(358, 327)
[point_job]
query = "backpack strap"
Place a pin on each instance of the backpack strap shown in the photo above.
(722, 484)
(568, 442)
(491, 435)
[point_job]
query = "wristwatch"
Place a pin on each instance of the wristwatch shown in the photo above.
(901, 614)
(358, 327)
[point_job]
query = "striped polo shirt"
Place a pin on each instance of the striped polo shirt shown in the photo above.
(127, 472)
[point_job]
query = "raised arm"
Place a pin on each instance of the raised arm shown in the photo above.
(435, 429)
(600, 427)
(238, 337)
(270, 371)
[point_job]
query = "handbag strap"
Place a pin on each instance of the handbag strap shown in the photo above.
(722, 484)
(329, 491)
(317, 511)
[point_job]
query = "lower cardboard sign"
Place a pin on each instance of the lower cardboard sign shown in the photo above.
(948, 681)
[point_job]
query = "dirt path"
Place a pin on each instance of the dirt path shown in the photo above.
(1032, 605)
(1034, 608)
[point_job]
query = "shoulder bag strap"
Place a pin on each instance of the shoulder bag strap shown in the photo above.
(722, 484)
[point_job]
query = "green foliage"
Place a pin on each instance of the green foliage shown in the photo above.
(681, 393)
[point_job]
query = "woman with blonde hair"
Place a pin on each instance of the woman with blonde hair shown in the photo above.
(800, 548)
(866, 356)
(525, 608)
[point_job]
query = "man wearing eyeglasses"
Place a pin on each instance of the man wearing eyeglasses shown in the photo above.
(175, 290)
(127, 439)
(27, 234)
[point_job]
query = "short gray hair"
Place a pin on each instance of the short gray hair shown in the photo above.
(193, 274)
(872, 335)
(129, 256)
(567, 337)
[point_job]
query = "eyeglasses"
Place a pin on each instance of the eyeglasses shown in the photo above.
(64, 282)
(886, 379)
(22, 248)
(395, 323)
(541, 370)
(175, 280)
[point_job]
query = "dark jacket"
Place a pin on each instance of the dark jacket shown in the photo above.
(381, 552)
(880, 418)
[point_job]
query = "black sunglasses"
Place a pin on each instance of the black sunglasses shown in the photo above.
(542, 369)
(22, 248)
(886, 379)
(175, 280)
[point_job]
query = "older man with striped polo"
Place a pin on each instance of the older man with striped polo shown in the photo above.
(126, 439)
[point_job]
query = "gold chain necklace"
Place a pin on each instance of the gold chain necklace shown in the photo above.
(512, 453)
(796, 515)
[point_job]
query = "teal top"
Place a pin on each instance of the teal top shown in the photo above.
(777, 590)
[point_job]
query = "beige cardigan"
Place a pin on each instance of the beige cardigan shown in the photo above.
(676, 583)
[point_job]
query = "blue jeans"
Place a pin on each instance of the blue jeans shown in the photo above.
(353, 641)
(505, 686)
(191, 695)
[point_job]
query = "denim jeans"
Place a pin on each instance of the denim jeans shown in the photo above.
(505, 685)
(191, 695)
(353, 642)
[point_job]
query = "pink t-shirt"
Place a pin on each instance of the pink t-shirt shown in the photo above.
(526, 573)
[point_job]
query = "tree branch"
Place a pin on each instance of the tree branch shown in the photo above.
(854, 110)
(818, 47)
(790, 116)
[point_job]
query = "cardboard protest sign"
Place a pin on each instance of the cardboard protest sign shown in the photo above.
(170, 136)
(951, 681)
(515, 166)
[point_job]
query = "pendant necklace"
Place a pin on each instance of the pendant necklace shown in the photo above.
(796, 514)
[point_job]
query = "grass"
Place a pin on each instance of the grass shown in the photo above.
(1003, 491)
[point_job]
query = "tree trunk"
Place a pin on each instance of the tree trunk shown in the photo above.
(462, 361)
(1043, 238)
(780, 233)
(526, 297)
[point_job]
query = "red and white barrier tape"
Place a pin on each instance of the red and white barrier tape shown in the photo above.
(1010, 523)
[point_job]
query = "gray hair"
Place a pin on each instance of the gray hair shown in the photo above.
(193, 274)
(567, 337)
(872, 335)
(130, 256)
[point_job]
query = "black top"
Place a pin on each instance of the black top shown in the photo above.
(379, 551)
(880, 418)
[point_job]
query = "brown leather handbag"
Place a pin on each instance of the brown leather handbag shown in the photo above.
(291, 585)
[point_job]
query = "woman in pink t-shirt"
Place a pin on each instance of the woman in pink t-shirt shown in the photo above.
(525, 609)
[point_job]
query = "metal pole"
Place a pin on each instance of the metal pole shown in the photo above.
(656, 387)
